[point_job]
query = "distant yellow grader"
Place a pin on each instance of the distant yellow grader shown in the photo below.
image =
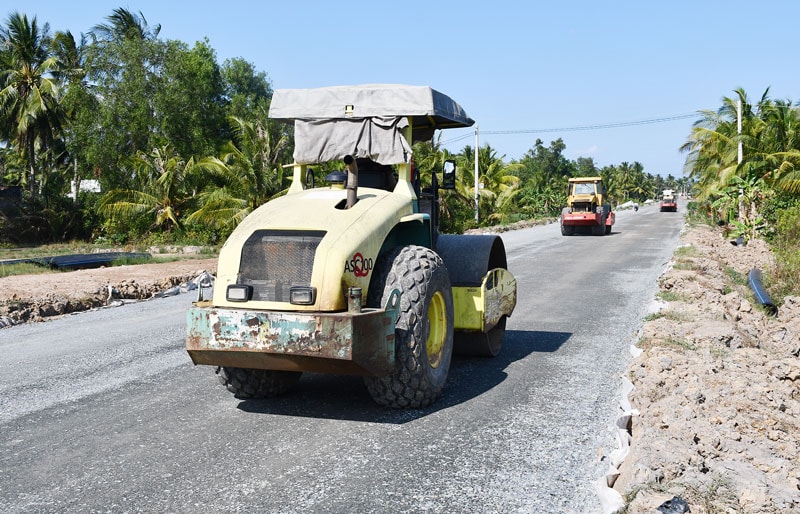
(587, 207)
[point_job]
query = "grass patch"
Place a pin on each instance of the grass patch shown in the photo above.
(26, 252)
(8, 253)
(676, 316)
(671, 296)
(668, 315)
(131, 261)
(29, 268)
(23, 268)
(784, 279)
(683, 344)
(737, 278)
(654, 316)
(715, 496)
(648, 343)
(686, 265)
(686, 251)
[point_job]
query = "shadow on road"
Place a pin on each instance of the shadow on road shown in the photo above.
(346, 397)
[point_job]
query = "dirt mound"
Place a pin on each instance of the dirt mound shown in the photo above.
(717, 389)
(31, 298)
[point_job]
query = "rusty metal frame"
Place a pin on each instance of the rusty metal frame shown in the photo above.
(360, 343)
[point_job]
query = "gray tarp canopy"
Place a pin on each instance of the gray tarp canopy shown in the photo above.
(363, 121)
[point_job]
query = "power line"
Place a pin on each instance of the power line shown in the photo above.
(599, 126)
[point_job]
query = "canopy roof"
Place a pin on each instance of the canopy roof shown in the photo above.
(363, 121)
(425, 107)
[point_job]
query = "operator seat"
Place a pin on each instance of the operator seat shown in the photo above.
(375, 175)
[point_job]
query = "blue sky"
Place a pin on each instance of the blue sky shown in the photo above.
(515, 66)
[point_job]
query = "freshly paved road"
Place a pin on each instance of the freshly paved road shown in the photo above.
(103, 411)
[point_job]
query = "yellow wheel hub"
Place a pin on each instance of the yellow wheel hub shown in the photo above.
(437, 333)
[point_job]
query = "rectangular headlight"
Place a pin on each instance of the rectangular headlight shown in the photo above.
(238, 293)
(301, 295)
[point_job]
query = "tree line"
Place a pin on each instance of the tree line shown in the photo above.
(744, 158)
(181, 147)
(178, 143)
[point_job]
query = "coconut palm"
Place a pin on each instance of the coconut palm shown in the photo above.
(124, 25)
(777, 157)
(498, 185)
(712, 146)
(78, 103)
(252, 174)
(166, 181)
(770, 156)
(126, 61)
(29, 94)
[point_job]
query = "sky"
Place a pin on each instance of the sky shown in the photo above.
(523, 70)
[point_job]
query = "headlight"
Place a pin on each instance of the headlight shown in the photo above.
(301, 295)
(238, 293)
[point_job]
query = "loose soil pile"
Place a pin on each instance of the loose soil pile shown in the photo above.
(29, 298)
(717, 389)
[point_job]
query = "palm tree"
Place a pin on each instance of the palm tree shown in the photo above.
(498, 184)
(29, 94)
(778, 158)
(123, 25)
(712, 146)
(429, 158)
(771, 152)
(166, 180)
(251, 175)
(126, 56)
(78, 103)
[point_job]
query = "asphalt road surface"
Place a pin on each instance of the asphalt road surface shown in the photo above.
(104, 412)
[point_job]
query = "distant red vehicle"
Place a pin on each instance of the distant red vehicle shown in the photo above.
(668, 201)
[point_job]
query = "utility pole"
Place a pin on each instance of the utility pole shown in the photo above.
(477, 182)
(739, 154)
(739, 127)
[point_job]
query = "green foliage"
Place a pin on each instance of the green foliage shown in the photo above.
(25, 268)
(457, 215)
(737, 278)
(182, 147)
(113, 100)
(784, 279)
(774, 207)
(670, 296)
(30, 115)
(248, 90)
(190, 99)
(542, 172)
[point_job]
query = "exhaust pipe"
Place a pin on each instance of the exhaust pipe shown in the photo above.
(352, 181)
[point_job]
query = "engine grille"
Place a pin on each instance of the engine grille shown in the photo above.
(273, 261)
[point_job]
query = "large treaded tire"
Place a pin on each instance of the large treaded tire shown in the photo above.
(424, 328)
(566, 230)
(256, 383)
